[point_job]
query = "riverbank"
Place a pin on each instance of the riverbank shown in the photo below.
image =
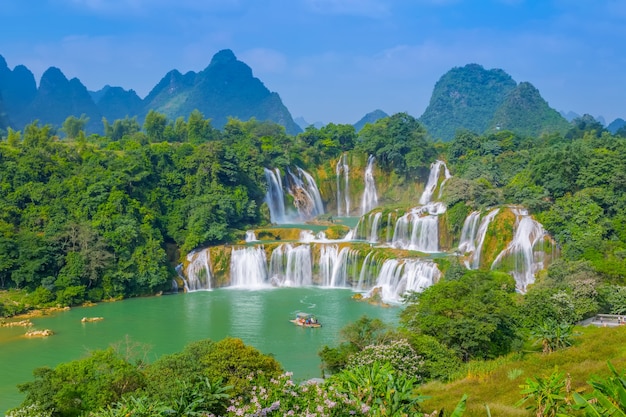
(165, 325)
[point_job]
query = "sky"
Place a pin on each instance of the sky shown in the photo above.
(332, 60)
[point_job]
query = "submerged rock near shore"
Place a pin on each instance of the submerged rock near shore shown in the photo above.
(39, 333)
(21, 323)
(91, 319)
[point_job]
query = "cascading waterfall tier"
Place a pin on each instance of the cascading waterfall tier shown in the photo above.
(291, 266)
(399, 276)
(198, 272)
(275, 197)
(306, 195)
(370, 195)
(329, 265)
(357, 261)
(248, 267)
(301, 186)
(433, 181)
(337, 267)
(472, 237)
(524, 256)
(419, 229)
(342, 171)
(251, 236)
(367, 227)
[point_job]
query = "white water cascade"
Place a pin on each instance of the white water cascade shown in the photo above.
(369, 272)
(526, 261)
(335, 265)
(468, 233)
(397, 277)
(291, 266)
(419, 229)
(473, 236)
(301, 186)
(343, 186)
(433, 181)
(275, 197)
(247, 267)
(198, 272)
(367, 227)
(479, 239)
(251, 236)
(370, 195)
(306, 195)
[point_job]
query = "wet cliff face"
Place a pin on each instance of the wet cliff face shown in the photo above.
(391, 189)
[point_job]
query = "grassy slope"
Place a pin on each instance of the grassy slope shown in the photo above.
(493, 383)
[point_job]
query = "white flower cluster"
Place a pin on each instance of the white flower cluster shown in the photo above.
(399, 353)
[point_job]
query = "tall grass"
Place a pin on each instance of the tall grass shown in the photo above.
(489, 383)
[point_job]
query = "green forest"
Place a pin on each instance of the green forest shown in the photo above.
(104, 217)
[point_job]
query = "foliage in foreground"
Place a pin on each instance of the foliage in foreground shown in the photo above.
(205, 379)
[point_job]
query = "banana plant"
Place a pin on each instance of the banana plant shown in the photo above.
(608, 397)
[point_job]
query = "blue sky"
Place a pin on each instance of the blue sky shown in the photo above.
(333, 60)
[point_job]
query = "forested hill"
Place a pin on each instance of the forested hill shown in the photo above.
(370, 117)
(226, 88)
(484, 101)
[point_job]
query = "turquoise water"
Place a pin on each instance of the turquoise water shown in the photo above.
(259, 317)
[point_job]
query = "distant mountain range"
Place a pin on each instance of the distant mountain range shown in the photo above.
(468, 97)
(226, 88)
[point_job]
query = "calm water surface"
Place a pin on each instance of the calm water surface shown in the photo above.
(259, 317)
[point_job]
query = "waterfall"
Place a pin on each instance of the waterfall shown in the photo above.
(307, 236)
(247, 267)
(474, 259)
(419, 229)
(367, 227)
(389, 228)
(198, 271)
(468, 233)
(397, 277)
(251, 236)
(370, 196)
(290, 266)
(528, 232)
(369, 272)
(275, 198)
(335, 265)
(343, 187)
(301, 186)
(373, 237)
(433, 180)
(306, 195)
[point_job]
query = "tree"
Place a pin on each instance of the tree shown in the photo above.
(354, 338)
(72, 126)
(552, 335)
(121, 128)
(77, 387)
(399, 143)
(154, 125)
(474, 315)
(229, 360)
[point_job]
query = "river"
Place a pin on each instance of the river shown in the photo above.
(167, 323)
